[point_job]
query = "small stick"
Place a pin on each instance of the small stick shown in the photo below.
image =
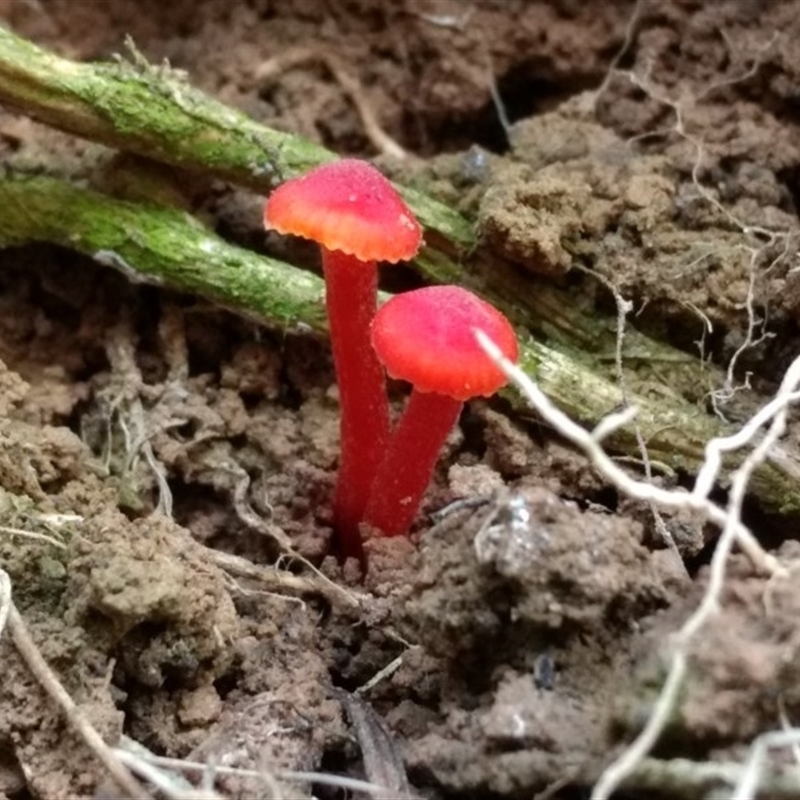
(352, 88)
(48, 680)
(40, 537)
(684, 779)
(340, 781)
(278, 580)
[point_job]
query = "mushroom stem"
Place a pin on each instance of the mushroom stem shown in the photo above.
(351, 297)
(410, 460)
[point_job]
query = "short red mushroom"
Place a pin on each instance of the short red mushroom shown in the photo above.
(357, 217)
(427, 337)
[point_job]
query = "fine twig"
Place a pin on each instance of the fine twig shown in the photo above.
(276, 580)
(48, 680)
(5, 600)
(624, 307)
(168, 782)
(324, 585)
(40, 537)
(786, 725)
(127, 409)
(351, 86)
(133, 754)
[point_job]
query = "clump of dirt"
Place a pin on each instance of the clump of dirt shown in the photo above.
(166, 468)
(536, 564)
(523, 604)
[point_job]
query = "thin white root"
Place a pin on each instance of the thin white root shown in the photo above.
(590, 444)
(350, 85)
(733, 531)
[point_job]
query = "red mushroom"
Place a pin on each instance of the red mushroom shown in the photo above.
(427, 337)
(357, 217)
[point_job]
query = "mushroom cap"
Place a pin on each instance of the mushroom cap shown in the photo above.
(346, 205)
(426, 337)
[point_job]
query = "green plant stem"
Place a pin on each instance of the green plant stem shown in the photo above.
(161, 246)
(155, 112)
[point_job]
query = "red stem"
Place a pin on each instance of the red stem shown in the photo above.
(408, 466)
(351, 297)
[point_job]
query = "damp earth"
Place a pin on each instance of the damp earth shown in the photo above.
(160, 456)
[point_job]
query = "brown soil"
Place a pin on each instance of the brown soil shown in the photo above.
(154, 436)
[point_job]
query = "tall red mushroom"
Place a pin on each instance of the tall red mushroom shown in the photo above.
(427, 337)
(357, 217)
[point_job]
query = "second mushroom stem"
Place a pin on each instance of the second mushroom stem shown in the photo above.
(351, 299)
(407, 468)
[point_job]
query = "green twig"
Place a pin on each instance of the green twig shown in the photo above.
(160, 246)
(155, 112)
